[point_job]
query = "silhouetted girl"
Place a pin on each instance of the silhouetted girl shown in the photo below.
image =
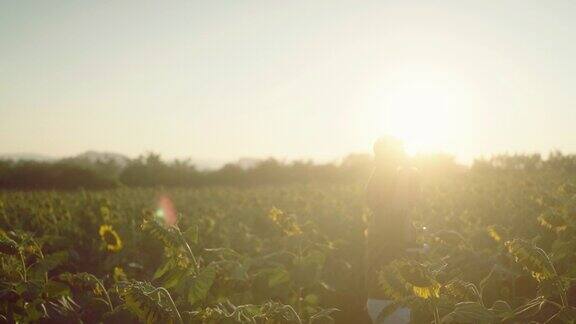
(391, 191)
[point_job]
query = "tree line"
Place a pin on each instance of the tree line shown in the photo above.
(151, 170)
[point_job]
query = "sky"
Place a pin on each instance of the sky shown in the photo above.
(291, 79)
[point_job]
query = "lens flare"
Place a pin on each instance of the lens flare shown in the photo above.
(166, 211)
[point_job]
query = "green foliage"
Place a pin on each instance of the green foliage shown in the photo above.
(200, 284)
(146, 303)
(8, 246)
(501, 250)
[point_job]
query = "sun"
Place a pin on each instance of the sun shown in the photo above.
(423, 117)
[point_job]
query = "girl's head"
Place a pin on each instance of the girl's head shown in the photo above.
(389, 151)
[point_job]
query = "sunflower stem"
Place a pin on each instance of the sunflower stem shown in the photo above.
(24, 272)
(42, 257)
(563, 297)
(435, 311)
(172, 304)
(104, 290)
(187, 246)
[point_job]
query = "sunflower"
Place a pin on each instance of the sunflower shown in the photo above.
(402, 278)
(286, 223)
(420, 281)
(110, 238)
(552, 221)
(532, 258)
(495, 232)
(433, 290)
(119, 274)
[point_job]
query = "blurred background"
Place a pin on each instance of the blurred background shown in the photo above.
(220, 81)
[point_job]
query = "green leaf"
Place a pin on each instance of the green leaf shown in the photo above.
(172, 277)
(565, 315)
(119, 315)
(49, 262)
(55, 288)
(311, 299)
(8, 246)
(29, 290)
(240, 271)
(470, 312)
(278, 276)
(529, 309)
(163, 269)
(146, 306)
(314, 258)
(201, 284)
(501, 309)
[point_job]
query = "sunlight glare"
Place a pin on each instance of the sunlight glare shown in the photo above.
(421, 116)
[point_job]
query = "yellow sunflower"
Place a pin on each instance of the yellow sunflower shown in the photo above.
(110, 238)
(402, 278)
(286, 223)
(119, 274)
(552, 221)
(432, 290)
(420, 281)
(494, 233)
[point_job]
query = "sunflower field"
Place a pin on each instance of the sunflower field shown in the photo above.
(501, 251)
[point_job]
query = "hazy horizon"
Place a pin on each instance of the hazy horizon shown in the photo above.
(299, 80)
